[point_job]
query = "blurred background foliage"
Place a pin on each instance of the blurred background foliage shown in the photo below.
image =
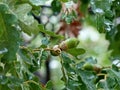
(30, 28)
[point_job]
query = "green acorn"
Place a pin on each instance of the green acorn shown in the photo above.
(55, 51)
(91, 67)
(69, 44)
(88, 66)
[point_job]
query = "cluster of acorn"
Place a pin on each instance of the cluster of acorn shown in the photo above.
(69, 44)
(64, 46)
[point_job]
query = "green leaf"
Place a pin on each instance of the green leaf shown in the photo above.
(82, 84)
(117, 87)
(100, 23)
(85, 1)
(80, 65)
(22, 11)
(74, 85)
(56, 6)
(116, 4)
(44, 55)
(101, 4)
(16, 81)
(110, 84)
(10, 81)
(50, 33)
(26, 56)
(59, 85)
(84, 6)
(76, 51)
(3, 51)
(66, 58)
(69, 17)
(64, 0)
(26, 20)
(67, 61)
(3, 79)
(108, 13)
(88, 79)
(115, 41)
(103, 85)
(114, 74)
(30, 29)
(69, 70)
(49, 85)
(9, 36)
(38, 2)
(35, 86)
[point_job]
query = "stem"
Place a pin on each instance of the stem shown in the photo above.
(106, 67)
(63, 70)
(31, 81)
(26, 48)
(47, 49)
(105, 75)
(38, 84)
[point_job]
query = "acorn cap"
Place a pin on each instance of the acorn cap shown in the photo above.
(97, 69)
(55, 51)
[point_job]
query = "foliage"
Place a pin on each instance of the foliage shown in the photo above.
(89, 65)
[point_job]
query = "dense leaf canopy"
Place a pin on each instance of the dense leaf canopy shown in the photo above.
(31, 29)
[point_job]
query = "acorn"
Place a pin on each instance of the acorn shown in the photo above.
(69, 44)
(56, 51)
(91, 67)
(88, 66)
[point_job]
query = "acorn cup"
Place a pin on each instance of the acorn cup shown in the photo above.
(69, 44)
(56, 51)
